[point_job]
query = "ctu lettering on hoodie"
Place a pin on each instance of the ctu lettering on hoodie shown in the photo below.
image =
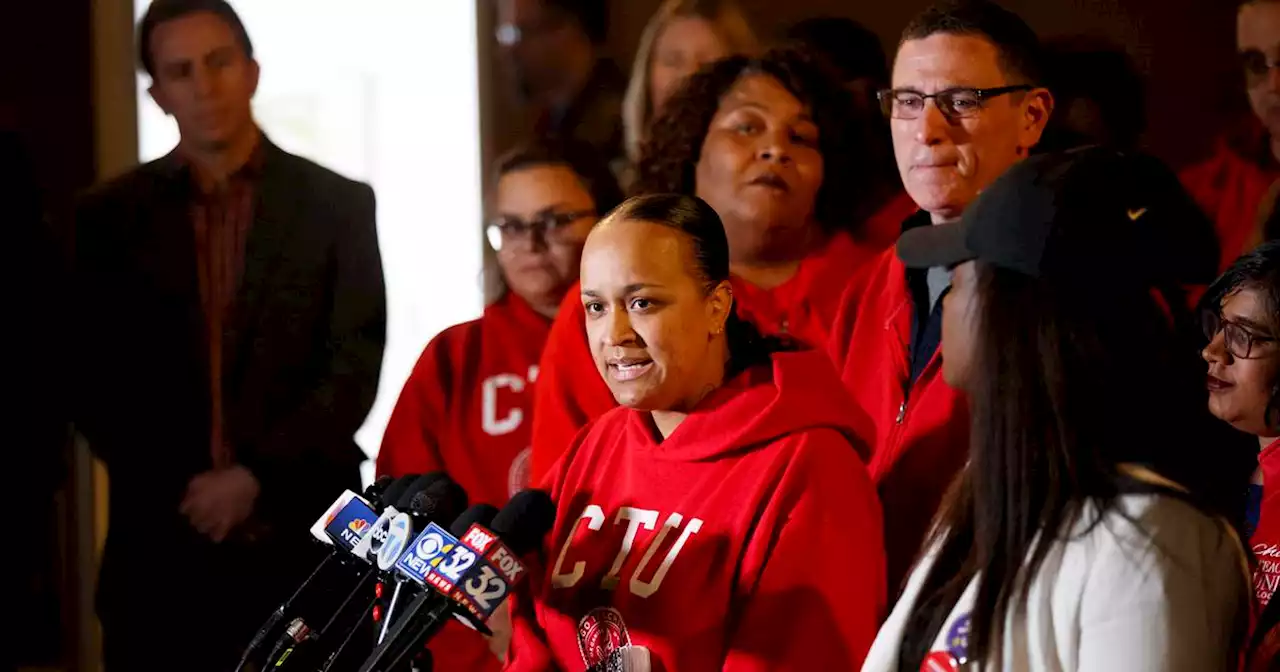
(635, 519)
(489, 420)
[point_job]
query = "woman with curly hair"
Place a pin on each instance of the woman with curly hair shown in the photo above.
(769, 143)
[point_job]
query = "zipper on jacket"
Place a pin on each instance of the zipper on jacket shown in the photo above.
(934, 360)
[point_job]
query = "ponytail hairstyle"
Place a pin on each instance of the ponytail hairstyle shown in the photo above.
(710, 256)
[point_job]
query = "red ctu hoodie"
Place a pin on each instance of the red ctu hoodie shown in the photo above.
(1230, 187)
(571, 392)
(467, 410)
(919, 437)
(749, 539)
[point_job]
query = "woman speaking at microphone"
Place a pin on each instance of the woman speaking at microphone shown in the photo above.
(721, 518)
(772, 144)
(466, 408)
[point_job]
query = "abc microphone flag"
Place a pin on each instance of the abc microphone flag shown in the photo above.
(371, 542)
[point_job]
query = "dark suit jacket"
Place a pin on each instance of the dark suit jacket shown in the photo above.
(302, 357)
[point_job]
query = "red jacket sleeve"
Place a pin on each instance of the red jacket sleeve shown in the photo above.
(570, 392)
(411, 443)
(820, 578)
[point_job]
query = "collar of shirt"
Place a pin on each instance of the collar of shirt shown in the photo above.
(249, 171)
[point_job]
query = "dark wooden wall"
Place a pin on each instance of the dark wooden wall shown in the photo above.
(46, 94)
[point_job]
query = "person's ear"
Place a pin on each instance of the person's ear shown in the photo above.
(719, 305)
(158, 95)
(1037, 107)
(254, 72)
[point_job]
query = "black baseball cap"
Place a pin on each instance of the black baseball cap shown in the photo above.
(1084, 213)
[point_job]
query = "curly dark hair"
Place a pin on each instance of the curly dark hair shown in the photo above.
(852, 180)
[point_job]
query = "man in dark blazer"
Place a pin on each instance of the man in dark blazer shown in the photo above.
(230, 318)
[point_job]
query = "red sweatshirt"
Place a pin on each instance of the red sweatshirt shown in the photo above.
(918, 436)
(1230, 187)
(571, 392)
(747, 540)
(466, 409)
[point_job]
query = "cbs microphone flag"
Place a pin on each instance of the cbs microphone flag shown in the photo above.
(436, 559)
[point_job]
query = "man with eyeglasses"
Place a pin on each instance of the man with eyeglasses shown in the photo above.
(551, 49)
(1235, 185)
(965, 106)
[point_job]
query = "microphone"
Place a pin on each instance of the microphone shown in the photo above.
(343, 526)
(443, 500)
(472, 574)
(356, 514)
(434, 494)
(396, 501)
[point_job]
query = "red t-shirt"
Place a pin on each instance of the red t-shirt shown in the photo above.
(467, 410)
(1265, 541)
(571, 392)
(749, 539)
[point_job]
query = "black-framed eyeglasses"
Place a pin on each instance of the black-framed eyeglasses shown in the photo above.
(954, 103)
(549, 226)
(1237, 338)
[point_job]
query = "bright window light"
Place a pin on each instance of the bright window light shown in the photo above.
(386, 92)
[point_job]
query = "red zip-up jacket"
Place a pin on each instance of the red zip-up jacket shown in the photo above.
(748, 539)
(571, 392)
(919, 437)
(467, 410)
(1231, 185)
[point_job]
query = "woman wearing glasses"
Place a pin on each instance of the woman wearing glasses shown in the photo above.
(467, 407)
(1242, 322)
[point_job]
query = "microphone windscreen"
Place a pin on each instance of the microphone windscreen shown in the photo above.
(396, 489)
(525, 520)
(443, 500)
(374, 492)
(479, 513)
(418, 484)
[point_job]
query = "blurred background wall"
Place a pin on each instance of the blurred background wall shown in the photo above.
(1184, 47)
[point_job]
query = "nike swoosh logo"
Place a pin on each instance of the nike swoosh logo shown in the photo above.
(1135, 214)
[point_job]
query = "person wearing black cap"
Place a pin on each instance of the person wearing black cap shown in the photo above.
(1083, 533)
(967, 102)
